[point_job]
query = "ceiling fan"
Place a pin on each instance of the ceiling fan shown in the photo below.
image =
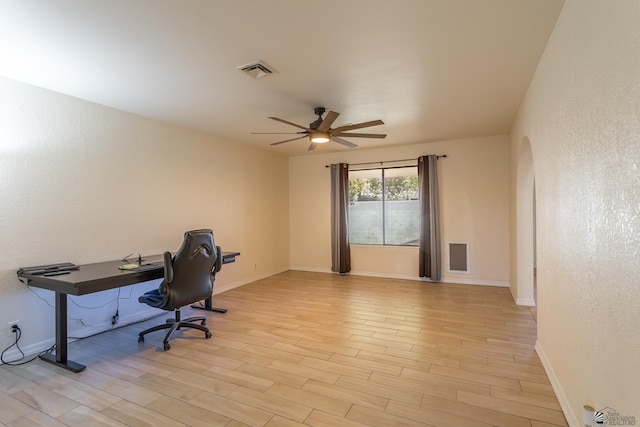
(320, 131)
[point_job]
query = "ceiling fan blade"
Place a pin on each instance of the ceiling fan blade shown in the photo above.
(343, 142)
(287, 140)
(361, 135)
(358, 126)
(328, 121)
(312, 146)
(289, 123)
(277, 133)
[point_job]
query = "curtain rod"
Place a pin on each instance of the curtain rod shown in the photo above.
(386, 161)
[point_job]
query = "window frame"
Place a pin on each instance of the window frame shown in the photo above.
(383, 201)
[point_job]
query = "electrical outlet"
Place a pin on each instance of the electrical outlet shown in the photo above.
(12, 324)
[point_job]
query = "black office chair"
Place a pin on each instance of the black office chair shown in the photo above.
(188, 278)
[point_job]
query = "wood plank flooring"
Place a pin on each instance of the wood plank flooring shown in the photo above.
(306, 349)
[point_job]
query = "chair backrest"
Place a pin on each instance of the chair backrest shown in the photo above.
(189, 275)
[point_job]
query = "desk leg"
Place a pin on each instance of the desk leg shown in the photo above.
(60, 358)
(209, 307)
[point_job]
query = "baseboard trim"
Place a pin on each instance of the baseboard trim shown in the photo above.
(384, 275)
(445, 279)
(311, 270)
(498, 283)
(528, 302)
(218, 289)
(572, 419)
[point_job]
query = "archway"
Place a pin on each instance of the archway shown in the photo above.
(526, 290)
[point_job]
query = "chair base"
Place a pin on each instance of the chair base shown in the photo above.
(175, 324)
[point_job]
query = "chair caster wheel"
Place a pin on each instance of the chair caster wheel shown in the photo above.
(166, 346)
(207, 335)
(204, 322)
(140, 338)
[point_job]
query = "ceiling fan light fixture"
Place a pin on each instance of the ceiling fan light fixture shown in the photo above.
(318, 137)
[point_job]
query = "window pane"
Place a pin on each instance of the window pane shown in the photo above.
(365, 207)
(401, 207)
(384, 214)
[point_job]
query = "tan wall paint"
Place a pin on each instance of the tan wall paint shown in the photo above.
(474, 207)
(85, 183)
(582, 117)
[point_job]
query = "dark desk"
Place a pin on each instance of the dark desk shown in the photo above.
(92, 278)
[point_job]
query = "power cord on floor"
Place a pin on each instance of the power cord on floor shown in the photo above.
(16, 330)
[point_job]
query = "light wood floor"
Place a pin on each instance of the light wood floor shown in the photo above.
(306, 349)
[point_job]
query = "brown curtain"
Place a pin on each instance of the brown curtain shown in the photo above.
(340, 250)
(430, 262)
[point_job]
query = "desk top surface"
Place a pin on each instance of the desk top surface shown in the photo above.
(101, 276)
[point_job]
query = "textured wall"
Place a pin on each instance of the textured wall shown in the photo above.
(84, 183)
(582, 118)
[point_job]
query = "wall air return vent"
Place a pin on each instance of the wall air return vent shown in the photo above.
(257, 69)
(458, 257)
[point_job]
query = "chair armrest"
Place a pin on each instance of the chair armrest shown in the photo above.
(168, 267)
(218, 259)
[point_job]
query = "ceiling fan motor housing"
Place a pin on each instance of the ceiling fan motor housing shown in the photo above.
(319, 112)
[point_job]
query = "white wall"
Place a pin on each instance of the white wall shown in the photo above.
(85, 183)
(474, 192)
(582, 118)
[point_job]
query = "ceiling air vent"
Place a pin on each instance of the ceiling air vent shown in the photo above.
(257, 69)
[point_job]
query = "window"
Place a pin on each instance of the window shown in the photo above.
(384, 207)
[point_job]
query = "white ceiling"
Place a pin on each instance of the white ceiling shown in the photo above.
(430, 69)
